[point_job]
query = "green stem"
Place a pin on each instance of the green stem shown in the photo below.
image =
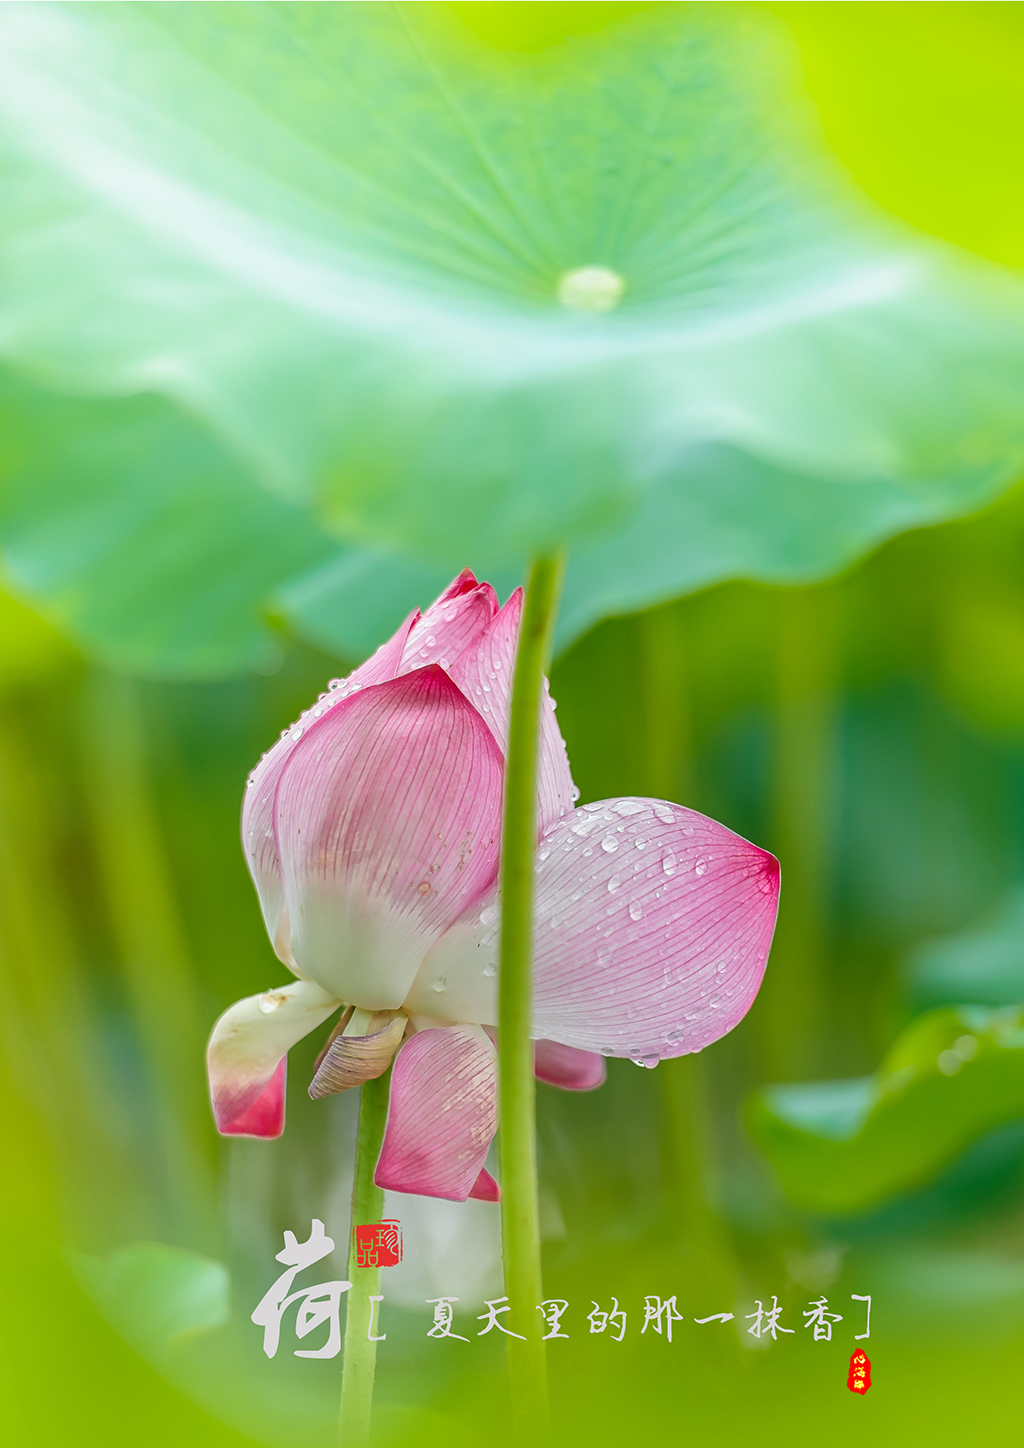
(520, 1224)
(359, 1353)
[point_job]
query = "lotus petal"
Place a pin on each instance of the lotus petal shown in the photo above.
(484, 673)
(485, 1188)
(245, 1057)
(352, 1059)
(452, 623)
(258, 805)
(387, 820)
(653, 925)
(443, 1114)
(566, 1067)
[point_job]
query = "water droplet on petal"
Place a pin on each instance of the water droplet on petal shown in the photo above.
(609, 844)
(627, 807)
(700, 867)
(490, 971)
(636, 910)
(668, 863)
(614, 884)
(574, 793)
(297, 732)
(270, 1001)
(439, 984)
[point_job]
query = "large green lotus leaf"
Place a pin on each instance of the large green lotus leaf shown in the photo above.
(158, 1296)
(135, 532)
(982, 965)
(337, 232)
(845, 1146)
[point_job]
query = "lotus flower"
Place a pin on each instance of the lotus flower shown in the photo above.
(372, 833)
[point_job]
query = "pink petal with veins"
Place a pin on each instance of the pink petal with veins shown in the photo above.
(653, 929)
(451, 624)
(387, 818)
(484, 673)
(258, 804)
(443, 1114)
(566, 1067)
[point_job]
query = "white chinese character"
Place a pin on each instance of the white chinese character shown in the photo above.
(320, 1303)
(552, 1311)
(443, 1314)
(856, 1297)
(494, 1311)
(660, 1315)
(819, 1317)
(716, 1317)
(599, 1320)
(767, 1321)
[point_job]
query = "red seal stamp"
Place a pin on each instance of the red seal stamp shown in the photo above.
(859, 1379)
(378, 1244)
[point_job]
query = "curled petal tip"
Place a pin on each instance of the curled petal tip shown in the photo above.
(485, 1188)
(350, 1059)
(567, 1067)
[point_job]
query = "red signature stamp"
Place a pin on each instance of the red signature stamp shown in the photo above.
(859, 1379)
(378, 1244)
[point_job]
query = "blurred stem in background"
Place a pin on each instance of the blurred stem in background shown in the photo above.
(46, 1018)
(794, 994)
(359, 1360)
(154, 957)
(667, 772)
(520, 1212)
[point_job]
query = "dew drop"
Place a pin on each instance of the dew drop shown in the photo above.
(489, 915)
(574, 794)
(627, 807)
(668, 863)
(700, 867)
(490, 971)
(270, 1001)
(609, 844)
(439, 984)
(636, 910)
(614, 884)
(297, 732)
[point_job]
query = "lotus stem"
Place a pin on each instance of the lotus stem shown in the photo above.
(520, 1216)
(359, 1351)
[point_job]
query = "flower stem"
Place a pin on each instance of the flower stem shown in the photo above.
(518, 1153)
(359, 1353)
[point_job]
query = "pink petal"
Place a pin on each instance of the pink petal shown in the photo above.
(564, 1066)
(661, 948)
(246, 1055)
(387, 819)
(485, 1188)
(484, 674)
(265, 1116)
(258, 804)
(443, 1114)
(653, 925)
(451, 623)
